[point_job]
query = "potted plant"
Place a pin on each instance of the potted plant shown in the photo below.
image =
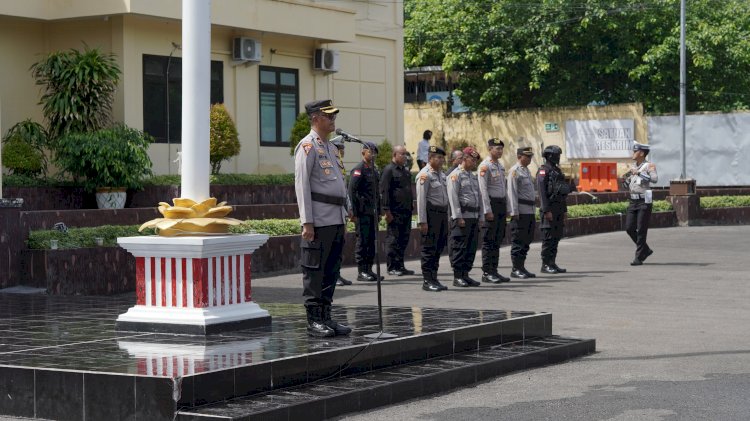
(108, 161)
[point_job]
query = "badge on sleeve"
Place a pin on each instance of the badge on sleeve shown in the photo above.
(482, 170)
(356, 173)
(422, 178)
(454, 177)
(542, 173)
(307, 147)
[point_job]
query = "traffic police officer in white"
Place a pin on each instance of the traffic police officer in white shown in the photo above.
(492, 186)
(638, 180)
(432, 211)
(466, 211)
(321, 198)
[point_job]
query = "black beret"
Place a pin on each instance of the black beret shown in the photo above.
(437, 150)
(525, 151)
(495, 142)
(324, 106)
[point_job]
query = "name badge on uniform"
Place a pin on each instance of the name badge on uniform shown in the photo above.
(327, 171)
(326, 164)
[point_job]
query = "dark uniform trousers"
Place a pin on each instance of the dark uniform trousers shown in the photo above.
(433, 243)
(397, 239)
(364, 252)
(636, 224)
(494, 232)
(321, 263)
(522, 233)
(552, 232)
(463, 246)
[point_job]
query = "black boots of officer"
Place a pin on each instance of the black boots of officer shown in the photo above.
(366, 274)
(430, 283)
(319, 323)
(519, 270)
(552, 267)
(462, 280)
(494, 278)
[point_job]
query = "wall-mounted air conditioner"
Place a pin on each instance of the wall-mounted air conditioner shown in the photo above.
(326, 60)
(246, 49)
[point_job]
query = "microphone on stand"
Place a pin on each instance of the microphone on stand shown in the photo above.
(347, 137)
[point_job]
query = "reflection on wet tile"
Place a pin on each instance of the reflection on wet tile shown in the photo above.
(77, 333)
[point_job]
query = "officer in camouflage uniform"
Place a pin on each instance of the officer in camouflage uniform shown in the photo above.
(521, 208)
(466, 211)
(638, 182)
(321, 198)
(553, 191)
(492, 186)
(432, 209)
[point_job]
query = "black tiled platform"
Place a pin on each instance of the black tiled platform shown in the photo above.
(61, 358)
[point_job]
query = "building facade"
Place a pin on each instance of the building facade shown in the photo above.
(359, 45)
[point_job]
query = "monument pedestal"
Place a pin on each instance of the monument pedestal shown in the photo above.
(685, 201)
(193, 285)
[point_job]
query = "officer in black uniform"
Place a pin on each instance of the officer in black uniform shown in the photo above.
(553, 191)
(432, 211)
(338, 141)
(365, 199)
(321, 197)
(395, 191)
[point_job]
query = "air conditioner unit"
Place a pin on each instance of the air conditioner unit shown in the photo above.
(246, 49)
(326, 60)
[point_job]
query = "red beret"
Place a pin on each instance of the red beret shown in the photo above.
(471, 152)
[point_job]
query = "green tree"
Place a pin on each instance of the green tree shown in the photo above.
(507, 54)
(23, 149)
(385, 154)
(78, 90)
(300, 129)
(224, 140)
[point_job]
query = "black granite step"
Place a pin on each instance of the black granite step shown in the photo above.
(332, 397)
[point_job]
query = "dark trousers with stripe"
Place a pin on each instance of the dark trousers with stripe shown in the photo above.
(433, 243)
(636, 225)
(321, 264)
(463, 246)
(522, 233)
(493, 236)
(364, 252)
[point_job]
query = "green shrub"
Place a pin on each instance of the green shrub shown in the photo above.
(385, 154)
(272, 227)
(300, 129)
(112, 157)
(224, 140)
(229, 180)
(724, 201)
(23, 149)
(613, 208)
(83, 237)
(79, 89)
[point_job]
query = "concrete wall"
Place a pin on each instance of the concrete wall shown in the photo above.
(368, 88)
(517, 128)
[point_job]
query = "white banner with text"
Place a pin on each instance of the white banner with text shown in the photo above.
(594, 139)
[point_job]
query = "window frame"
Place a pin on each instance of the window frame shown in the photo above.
(278, 90)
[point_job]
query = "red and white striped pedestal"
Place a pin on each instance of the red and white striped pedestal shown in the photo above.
(193, 285)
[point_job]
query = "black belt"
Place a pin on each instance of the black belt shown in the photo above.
(497, 200)
(437, 209)
(526, 202)
(324, 198)
(469, 209)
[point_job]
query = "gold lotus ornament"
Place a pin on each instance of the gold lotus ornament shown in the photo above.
(188, 217)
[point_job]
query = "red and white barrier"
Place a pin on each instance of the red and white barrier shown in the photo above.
(197, 281)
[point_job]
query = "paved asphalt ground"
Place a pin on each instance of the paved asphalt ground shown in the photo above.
(672, 336)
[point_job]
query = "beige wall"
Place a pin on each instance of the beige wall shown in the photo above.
(516, 128)
(368, 88)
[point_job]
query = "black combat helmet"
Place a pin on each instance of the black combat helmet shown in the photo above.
(552, 153)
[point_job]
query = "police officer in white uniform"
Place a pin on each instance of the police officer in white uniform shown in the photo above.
(466, 212)
(522, 211)
(638, 181)
(432, 210)
(492, 186)
(321, 198)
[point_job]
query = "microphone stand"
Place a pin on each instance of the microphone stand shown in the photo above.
(374, 190)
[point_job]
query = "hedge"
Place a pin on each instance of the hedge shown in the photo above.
(725, 201)
(228, 179)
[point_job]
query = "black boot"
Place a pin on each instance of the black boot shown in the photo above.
(491, 278)
(364, 274)
(548, 268)
(558, 268)
(315, 323)
(337, 328)
(518, 273)
(501, 277)
(341, 281)
(470, 281)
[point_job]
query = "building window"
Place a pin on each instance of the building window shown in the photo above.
(279, 102)
(166, 125)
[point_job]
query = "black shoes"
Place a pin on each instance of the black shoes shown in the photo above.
(406, 271)
(636, 262)
(549, 269)
(558, 268)
(648, 253)
(341, 282)
(396, 272)
(501, 277)
(529, 274)
(365, 277)
(461, 283)
(471, 282)
(337, 328)
(433, 286)
(518, 273)
(491, 278)
(316, 325)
